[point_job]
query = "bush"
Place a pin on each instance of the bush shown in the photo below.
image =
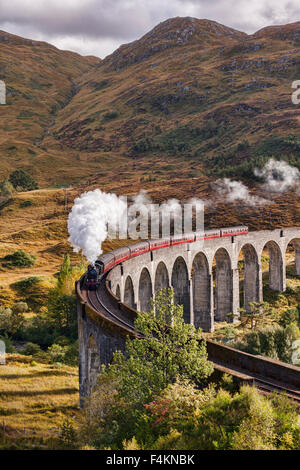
(291, 315)
(11, 321)
(183, 417)
(110, 115)
(25, 204)
(57, 352)
(22, 181)
(19, 259)
(9, 347)
(34, 290)
(68, 437)
(20, 307)
(71, 354)
(31, 349)
(39, 330)
(6, 189)
(272, 341)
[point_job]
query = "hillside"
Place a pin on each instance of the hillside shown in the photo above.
(40, 80)
(190, 101)
(190, 90)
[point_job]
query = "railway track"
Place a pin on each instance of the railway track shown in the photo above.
(102, 302)
(99, 299)
(267, 387)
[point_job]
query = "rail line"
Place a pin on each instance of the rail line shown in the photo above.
(109, 313)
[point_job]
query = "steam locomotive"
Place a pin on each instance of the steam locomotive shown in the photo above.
(109, 260)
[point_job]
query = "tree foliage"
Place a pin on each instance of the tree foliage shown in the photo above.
(22, 181)
(168, 347)
(257, 314)
(272, 341)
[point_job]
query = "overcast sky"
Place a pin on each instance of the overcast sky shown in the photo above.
(98, 27)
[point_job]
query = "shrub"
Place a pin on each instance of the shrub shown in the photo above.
(20, 307)
(256, 431)
(22, 181)
(31, 349)
(110, 115)
(68, 436)
(25, 204)
(291, 315)
(11, 321)
(9, 347)
(272, 341)
(71, 354)
(57, 353)
(6, 189)
(34, 290)
(183, 417)
(19, 259)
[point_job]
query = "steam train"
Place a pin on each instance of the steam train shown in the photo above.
(109, 260)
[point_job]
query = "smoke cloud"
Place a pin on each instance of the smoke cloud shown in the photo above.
(96, 216)
(279, 176)
(234, 191)
(88, 219)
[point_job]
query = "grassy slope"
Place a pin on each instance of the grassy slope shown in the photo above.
(34, 403)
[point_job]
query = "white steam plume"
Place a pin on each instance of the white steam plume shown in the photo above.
(96, 215)
(232, 191)
(88, 219)
(279, 176)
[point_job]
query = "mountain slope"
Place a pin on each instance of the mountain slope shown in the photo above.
(191, 93)
(40, 80)
(191, 89)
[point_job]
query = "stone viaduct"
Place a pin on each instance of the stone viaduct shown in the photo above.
(188, 268)
(205, 279)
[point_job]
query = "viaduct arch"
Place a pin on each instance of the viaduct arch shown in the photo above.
(181, 286)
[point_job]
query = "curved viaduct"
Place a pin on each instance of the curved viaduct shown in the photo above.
(205, 279)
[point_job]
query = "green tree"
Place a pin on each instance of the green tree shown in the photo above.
(64, 273)
(11, 320)
(62, 314)
(22, 181)
(290, 316)
(258, 312)
(167, 348)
